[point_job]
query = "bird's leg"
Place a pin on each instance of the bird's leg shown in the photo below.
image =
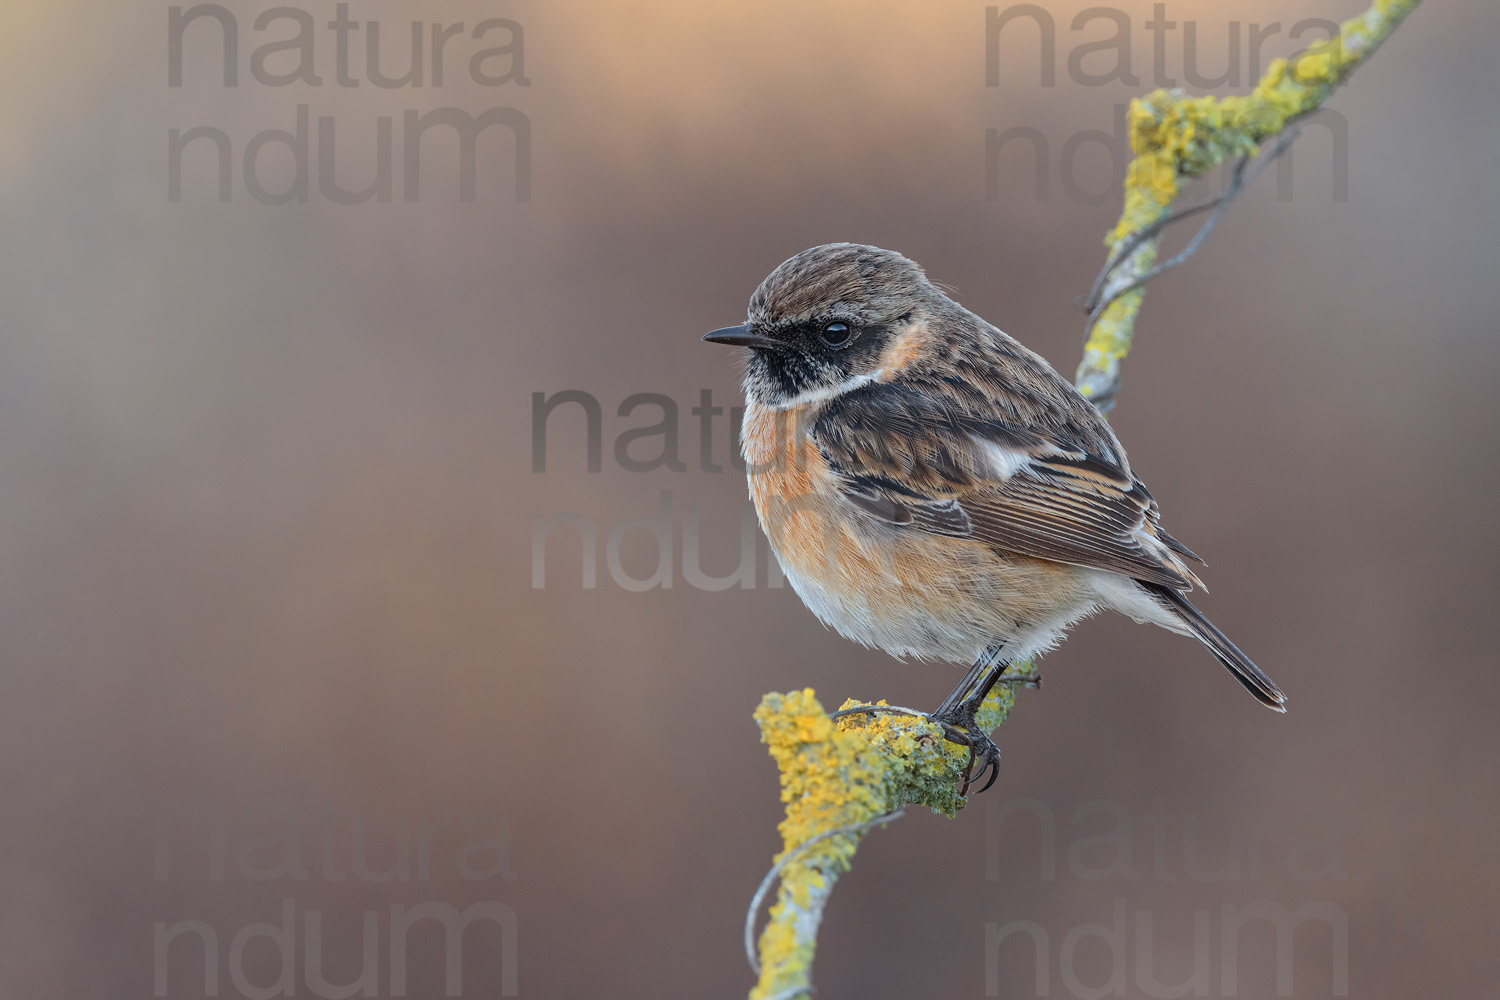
(957, 717)
(958, 711)
(986, 662)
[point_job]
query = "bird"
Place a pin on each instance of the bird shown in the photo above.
(932, 488)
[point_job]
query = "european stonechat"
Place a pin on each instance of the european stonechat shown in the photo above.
(933, 488)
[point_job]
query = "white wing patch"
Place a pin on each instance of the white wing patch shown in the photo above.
(1003, 462)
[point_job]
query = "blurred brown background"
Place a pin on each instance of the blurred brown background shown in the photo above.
(268, 503)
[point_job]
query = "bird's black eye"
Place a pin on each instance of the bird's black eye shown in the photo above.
(837, 334)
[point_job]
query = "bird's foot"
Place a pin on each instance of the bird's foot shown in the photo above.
(960, 727)
(965, 731)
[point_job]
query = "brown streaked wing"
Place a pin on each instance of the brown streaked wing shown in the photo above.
(912, 454)
(1049, 512)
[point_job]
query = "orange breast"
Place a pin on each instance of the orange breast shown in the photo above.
(905, 591)
(818, 538)
(790, 483)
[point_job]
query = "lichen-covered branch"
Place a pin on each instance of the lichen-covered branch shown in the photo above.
(1177, 138)
(841, 778)
(838, 775)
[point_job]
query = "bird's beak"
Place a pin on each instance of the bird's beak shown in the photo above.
(740, 336)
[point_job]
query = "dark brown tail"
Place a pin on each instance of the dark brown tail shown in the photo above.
(1247, 673)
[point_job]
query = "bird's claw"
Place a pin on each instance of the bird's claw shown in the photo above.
(981, 748)
(984, 748)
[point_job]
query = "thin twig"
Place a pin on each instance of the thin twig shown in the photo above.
(875, 709)
(1239, 180)
(788, 858)
(1221, 206)
(1090, 303)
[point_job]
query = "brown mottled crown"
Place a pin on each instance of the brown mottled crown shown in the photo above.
(850, 279)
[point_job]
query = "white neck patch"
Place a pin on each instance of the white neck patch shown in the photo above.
(823, 392)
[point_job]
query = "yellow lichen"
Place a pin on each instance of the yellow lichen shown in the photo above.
(1177, 138)
(844, 774)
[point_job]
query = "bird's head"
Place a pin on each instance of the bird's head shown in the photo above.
(829, 320)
